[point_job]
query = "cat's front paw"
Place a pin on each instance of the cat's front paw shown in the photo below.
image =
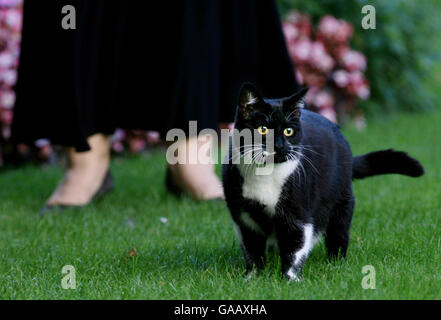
(251, 274)
(293, 276)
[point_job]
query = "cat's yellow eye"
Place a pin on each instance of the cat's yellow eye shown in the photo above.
(288, 132)
(262, 130)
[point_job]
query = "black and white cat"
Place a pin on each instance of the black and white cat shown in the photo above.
(309, 191)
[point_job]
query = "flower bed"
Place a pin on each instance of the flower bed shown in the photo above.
(325, 62)
(10, 35)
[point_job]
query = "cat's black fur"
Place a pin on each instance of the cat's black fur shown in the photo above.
(316, 198)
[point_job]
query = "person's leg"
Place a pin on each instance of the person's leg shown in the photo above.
(195, 173)
(87, 170)
(198, 180)
(84, 175)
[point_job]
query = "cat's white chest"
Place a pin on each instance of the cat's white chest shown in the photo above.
(266, 189)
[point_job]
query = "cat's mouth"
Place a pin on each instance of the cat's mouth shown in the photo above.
(262, 157)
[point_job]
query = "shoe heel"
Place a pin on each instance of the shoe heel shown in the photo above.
(107, 186)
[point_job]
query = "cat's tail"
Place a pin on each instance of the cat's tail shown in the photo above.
(386, 162)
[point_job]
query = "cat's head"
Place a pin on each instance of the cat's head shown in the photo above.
(281, 116)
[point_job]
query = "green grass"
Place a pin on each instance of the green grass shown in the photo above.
(195, 255)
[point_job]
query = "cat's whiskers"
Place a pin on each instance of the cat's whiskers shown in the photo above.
(238, 150)
(248, 167)
(248, 146)
(309, 148)
(296, 156)
(309, 161)
(257, 159)
(253, 163)
(237, 155)
(301, 155)
(290, 115)
(257, 155)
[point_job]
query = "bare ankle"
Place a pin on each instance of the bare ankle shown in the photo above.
(85, 174)
(99, 152)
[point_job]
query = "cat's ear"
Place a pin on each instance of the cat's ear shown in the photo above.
(294, 104)
(249, 100)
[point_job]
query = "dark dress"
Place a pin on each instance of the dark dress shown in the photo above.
(143, 65)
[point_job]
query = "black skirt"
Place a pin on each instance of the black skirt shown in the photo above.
(138, 65)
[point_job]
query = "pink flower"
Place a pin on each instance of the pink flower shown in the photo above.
(300, 50)
(363, 91)
(329, 113)
(341, 78)
(117, 147)
(310, 95)
(324, 100)
(302, 23)
(339, 51)
(325, 62)
(153, 136)
(328, 26)
(354, 60)
(14, 19)
(358, 85)
(356, 77)
(6, 117)
(314, 53)
(9, 77)
(137, 145)
(7, 99)
(290, 31)
(118, 135)
(10, 3)
(319, 58)
(312, 77)
(344, 32)
(41, 143)
(6, 59)
(334, 30)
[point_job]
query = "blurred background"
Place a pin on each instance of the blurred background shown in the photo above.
(355, 75)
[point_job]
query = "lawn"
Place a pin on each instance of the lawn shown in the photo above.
(194, 254)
